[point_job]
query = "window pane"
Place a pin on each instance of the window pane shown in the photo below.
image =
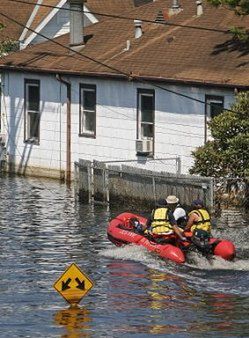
(89, 100)
(33, 123)
(88, 110)
(33, 98)
(147, 130)
(215, 108)
(147, 108)
(214, 105)
(89, 125)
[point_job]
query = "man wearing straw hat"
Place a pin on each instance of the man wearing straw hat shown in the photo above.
(178, 211)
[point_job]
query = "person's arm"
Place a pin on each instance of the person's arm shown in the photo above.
(148, 222)
(192, 218)
(175, 227)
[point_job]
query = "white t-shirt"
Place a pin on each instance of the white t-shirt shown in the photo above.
(179, 212)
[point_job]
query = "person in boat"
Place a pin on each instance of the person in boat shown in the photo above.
(199, 226)
(135, 224)
(198, 218)
(162, 224)
(178, 212)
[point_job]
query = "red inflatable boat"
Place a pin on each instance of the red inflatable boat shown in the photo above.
(120, 232)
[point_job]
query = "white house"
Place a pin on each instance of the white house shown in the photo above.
(124, 90)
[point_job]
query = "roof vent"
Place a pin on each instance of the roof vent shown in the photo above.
(138, 29)
(199, 9)
(160, 17)
(175, 8)
(175, 4)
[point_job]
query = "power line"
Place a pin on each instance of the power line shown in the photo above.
(117, 71)
(126, 17)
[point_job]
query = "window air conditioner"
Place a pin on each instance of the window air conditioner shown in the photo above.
(144, 146)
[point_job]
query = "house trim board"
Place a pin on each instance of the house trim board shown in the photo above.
(48, 18)
(30, 20)
(44, 23)
(89, 15)
(151, 80)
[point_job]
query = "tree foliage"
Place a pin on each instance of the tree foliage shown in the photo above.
(241, 7)
(8, 46)
(227, 154)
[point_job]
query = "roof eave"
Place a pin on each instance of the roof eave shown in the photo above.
(131, 77)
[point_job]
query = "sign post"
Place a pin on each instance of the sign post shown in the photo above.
(73, 284)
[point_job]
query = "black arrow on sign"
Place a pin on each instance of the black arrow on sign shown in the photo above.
(65, 285)
(81, 285)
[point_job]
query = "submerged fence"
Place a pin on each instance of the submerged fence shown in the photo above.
(133, 187)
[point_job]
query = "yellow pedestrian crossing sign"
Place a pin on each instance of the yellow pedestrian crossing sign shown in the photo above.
(73, 284)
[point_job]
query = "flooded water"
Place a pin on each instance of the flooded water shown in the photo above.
(43, 229)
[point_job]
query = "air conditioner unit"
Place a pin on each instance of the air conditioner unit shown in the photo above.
(144, 146)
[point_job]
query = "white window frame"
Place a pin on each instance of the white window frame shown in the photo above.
(140, 123)
(28, 133)
(82, 123)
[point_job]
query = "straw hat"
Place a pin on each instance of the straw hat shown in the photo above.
(171, 199)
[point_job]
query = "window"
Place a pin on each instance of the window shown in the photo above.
(87, 110)
(145, 122)
(32, 111)
(214, 105)
(146, 110)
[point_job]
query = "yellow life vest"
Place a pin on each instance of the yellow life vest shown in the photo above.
(203, 222)
(160, 222)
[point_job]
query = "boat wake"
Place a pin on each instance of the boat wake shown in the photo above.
(131, 252)
(194, 260)
(198, 272)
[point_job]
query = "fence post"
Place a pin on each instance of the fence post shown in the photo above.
(178, 165)
(91, 183)
(154, 188)
(106, 185)
(100, 186)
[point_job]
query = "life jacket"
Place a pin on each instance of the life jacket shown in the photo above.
(160, 224)
(203, 223)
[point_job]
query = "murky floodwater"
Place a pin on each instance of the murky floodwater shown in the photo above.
(43, 230)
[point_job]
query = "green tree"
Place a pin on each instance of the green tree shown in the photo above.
(241, 7)
(8, 46)
(227, 154)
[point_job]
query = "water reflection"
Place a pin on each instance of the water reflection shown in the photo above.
(224, 310)
(75, 321)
